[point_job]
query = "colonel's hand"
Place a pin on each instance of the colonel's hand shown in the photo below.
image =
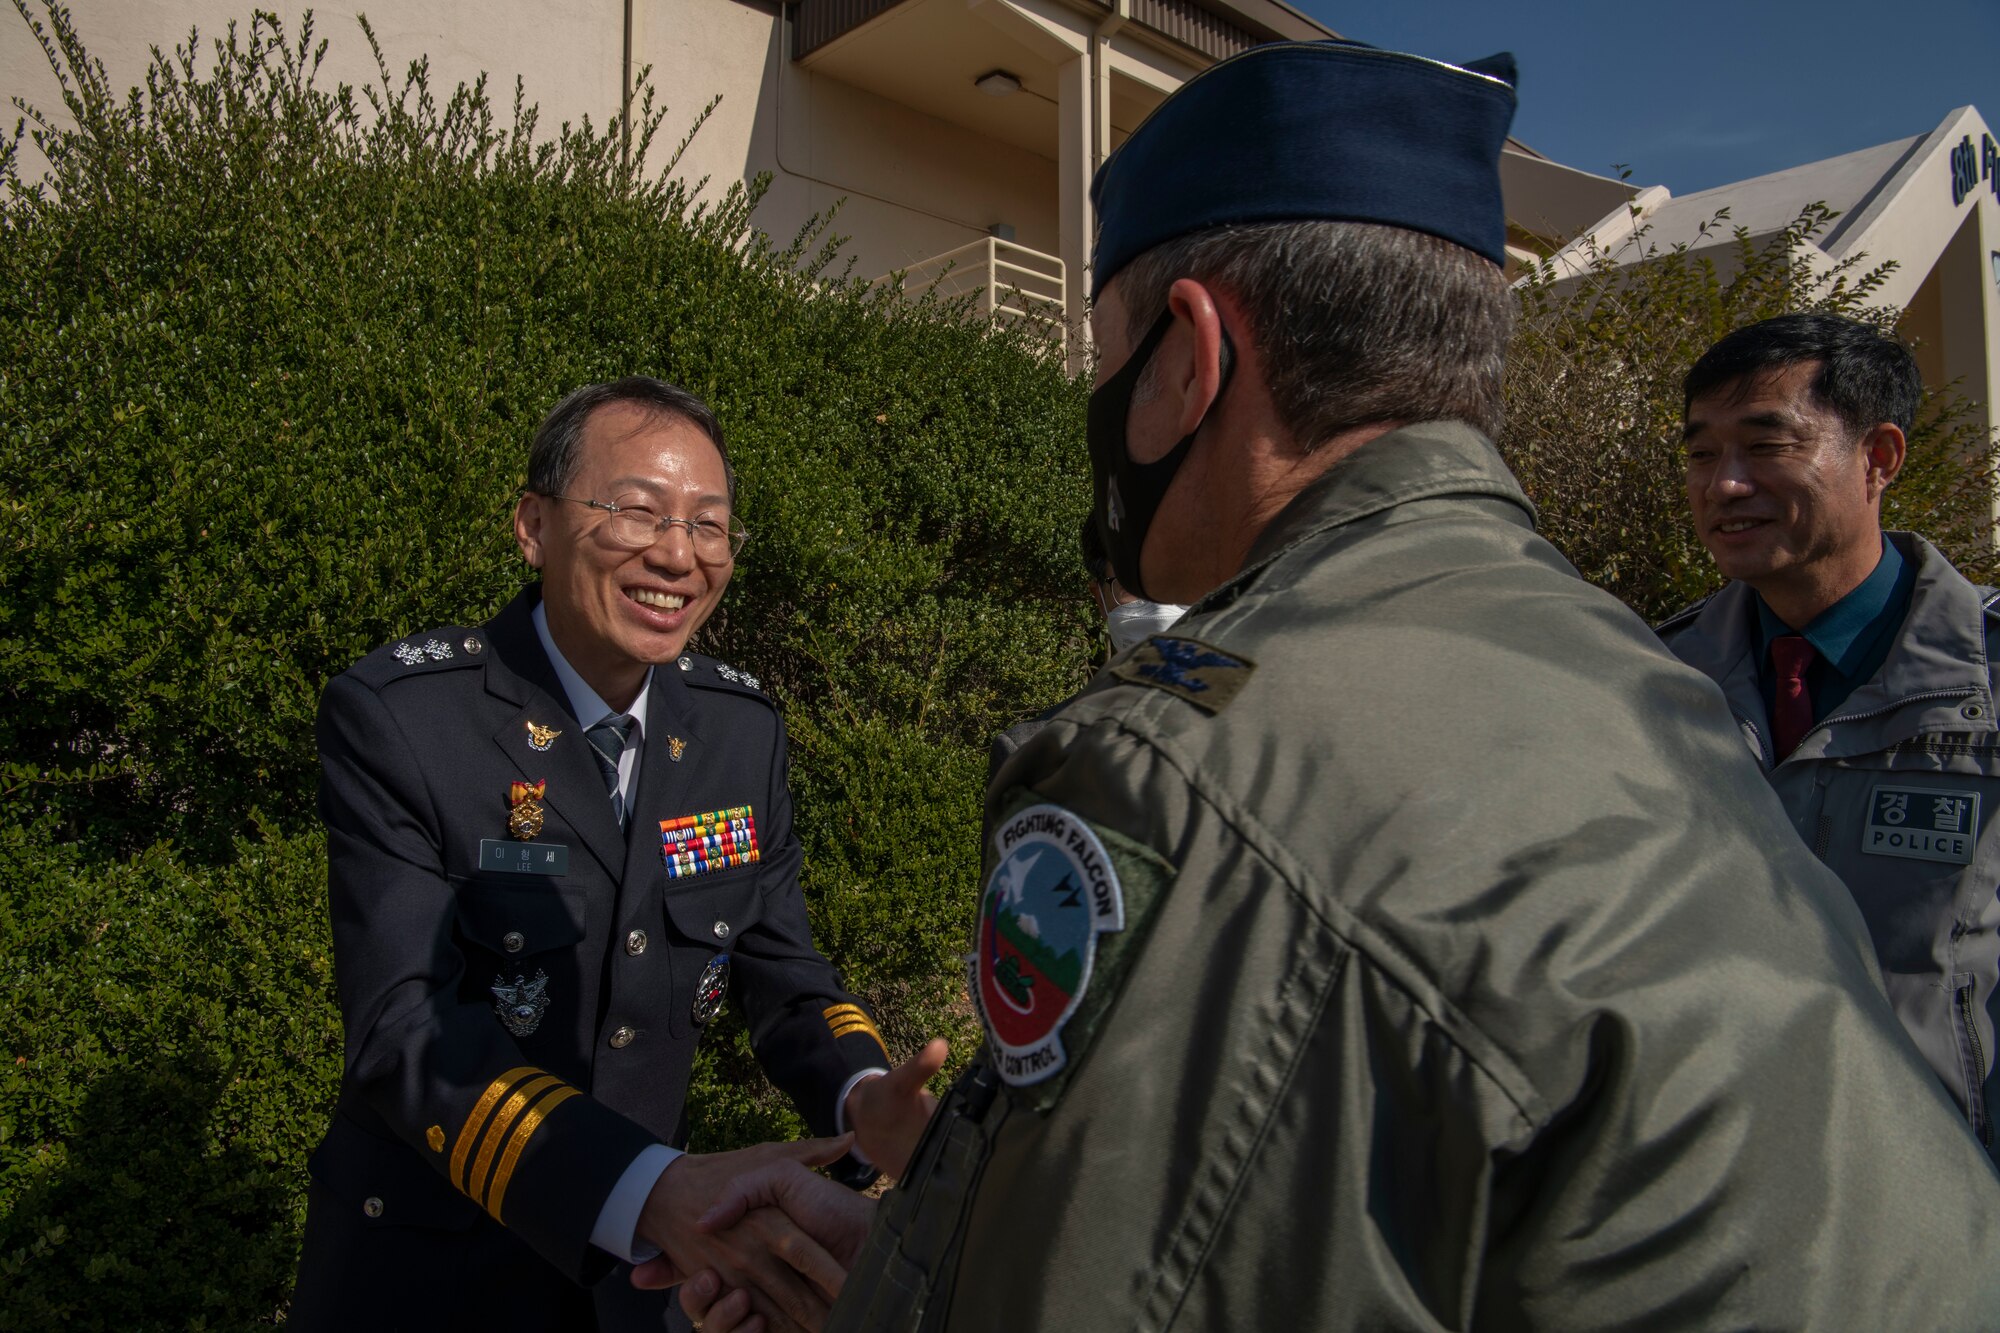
(787, 1275)
(888, 1114)
(833, 1216)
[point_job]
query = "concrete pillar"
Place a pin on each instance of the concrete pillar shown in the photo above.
(1075, 153)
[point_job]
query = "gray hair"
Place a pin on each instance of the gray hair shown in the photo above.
(555, 455)
(1357, 322)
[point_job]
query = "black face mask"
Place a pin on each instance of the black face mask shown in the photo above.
(1127, 494)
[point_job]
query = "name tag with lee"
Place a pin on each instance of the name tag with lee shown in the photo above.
(1922, 823)
(523, 858)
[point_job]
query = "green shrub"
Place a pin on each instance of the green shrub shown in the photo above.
(270, 356)
(167, 1053)
(1594, 406)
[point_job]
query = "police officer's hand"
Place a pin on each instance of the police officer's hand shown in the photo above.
(835, 1217)
(888, 1114)
(763, 1254)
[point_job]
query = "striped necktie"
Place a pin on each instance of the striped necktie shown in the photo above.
(608, 740)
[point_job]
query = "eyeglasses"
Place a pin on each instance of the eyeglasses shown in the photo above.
(635, 527)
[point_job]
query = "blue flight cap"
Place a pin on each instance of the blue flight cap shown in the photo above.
(1298, 131)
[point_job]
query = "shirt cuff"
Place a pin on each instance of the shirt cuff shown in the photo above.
(840, 1111)
(617, 1229)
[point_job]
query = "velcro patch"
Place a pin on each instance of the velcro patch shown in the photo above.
(1188, 669)
(1922, 823)
(706, 843)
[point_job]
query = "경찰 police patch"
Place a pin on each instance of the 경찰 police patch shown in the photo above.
(1922, 823)
(1052, 892)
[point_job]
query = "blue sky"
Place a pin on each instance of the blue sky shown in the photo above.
(1700, 93)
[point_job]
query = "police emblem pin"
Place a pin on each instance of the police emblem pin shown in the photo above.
(540, 737)
(524, 819)
(676, 747)
(520, 1006)
(711, 990)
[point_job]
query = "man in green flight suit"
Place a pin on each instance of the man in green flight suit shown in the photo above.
(1403, 940)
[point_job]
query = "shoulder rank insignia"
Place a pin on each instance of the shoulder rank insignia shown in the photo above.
(740, 677)
(540, 737)
(1052, 893)
(1206, 677)
(520, 1006)
(431, 650)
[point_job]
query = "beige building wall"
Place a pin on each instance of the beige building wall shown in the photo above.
(914, 185)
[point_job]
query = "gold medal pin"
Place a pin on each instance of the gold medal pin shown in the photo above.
(524, 820)
(540, 737)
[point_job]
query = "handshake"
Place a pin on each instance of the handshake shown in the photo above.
(758, 1242)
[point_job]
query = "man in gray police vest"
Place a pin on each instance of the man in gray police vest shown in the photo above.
(1859, 664)
(1402, 939)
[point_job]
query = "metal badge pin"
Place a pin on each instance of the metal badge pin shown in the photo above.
(520, 1006)
(711, 990)
(524, 820)
(540, 737)
(435, 1137)
(438, 649)
(676, 747)
(409, 654)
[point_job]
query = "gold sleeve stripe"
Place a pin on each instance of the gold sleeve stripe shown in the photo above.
(834, 1011)
(496, 1131)
(468, 1132)
(846, 1025)
(525, 1131)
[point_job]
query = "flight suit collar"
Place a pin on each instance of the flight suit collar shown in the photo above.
(1935, 678)
(1416, 462)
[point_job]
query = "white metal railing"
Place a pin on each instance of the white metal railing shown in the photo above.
(1014, 284)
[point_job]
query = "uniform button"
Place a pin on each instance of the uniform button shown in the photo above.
(371, 1206)
(622, 1038)
(472, 643)
(722, 930)
(635, 943)
(686, 665)
(513, 941)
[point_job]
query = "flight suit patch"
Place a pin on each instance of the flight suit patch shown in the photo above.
(1188, 669)
(1052, 892)
(1922, 823)
(1117, 879)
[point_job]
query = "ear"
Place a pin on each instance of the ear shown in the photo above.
(1884, 449)
(531, 511)
(1195, 380)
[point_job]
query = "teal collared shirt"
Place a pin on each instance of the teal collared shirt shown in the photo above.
(1850, 639)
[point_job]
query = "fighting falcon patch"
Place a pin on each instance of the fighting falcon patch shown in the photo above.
(703, 844)
(1188, 669)
(1051, 894)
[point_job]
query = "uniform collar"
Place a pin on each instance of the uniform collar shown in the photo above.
(585, 703)
(1849, 634)
(1939, 659)
(1417, 462)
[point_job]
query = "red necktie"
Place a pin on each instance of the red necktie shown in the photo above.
(1791, 707)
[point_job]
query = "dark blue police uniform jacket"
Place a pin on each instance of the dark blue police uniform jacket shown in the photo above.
(515, 1038)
